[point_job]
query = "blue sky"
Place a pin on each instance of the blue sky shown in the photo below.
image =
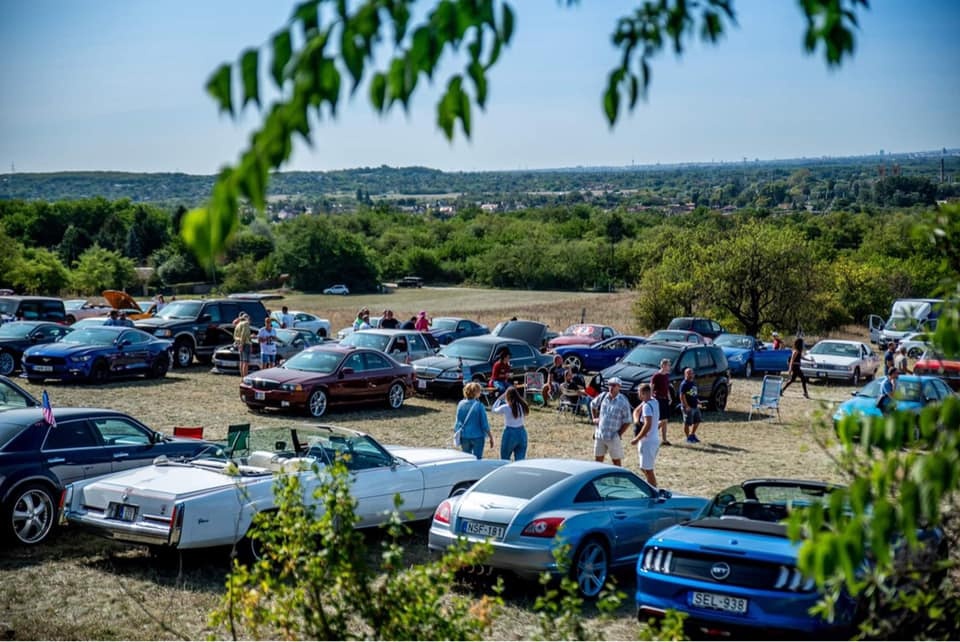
(118, 85)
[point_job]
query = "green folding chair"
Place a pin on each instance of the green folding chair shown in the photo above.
(238, 439)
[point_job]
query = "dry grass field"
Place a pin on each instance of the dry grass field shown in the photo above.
(81, 587)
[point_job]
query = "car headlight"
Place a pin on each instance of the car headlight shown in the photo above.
(163, 332)
(737, 357)
(80, 358)
(451, 375)
(248, 381)
(291, 387)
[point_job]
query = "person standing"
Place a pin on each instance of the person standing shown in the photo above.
(267, 338)
(777, 342)
(887, 388)
(660, 386)
(646, 434)
(690, 401)
(360, 315)
(514, 408)
(500, 377)
(159, 302)
(111, 318)
(409, 324)
(286, 319)
(794, 367)
(389, 321)
(124, 321)
(472, 421)
(888, 356)
(422, 323)
(900, 360)
(612, 415)
(241, 339)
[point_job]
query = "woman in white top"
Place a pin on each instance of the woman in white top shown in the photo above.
(514, 408)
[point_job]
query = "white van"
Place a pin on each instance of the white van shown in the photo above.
(906, 316)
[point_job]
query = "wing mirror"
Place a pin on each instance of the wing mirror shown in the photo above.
(345, 372)
(204, 318)
(663, 495)
(124, 343)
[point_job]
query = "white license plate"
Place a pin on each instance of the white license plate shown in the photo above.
(259, 396)
(422, 384)
(123, 512)
(821, 374)
(719, 602)
(43, 368)
(482, 529)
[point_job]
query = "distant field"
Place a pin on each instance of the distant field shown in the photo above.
(94, 589)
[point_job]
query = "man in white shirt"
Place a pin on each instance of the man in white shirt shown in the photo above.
(646, 417)
(267, 338)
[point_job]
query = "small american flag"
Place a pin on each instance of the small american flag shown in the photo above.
(47, 409)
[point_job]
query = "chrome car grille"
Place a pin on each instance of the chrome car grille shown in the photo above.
(265, 384)
(427, 373)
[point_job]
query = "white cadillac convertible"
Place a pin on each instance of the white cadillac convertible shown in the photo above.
(211, 501)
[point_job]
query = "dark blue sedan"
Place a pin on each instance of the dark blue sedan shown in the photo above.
(97, 353)
(600, 355)
(17, 336)
(449, 329)
(747, 355)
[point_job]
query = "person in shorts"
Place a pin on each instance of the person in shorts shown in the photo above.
(612, 415)
(241, 339)
(690, 400)
(646, 438)
(267, 338)
(660, 385)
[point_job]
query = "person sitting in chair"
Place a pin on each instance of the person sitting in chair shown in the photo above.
(574, 390)
(555, 377)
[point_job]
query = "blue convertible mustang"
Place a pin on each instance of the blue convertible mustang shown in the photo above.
(747, 355)
(97, 353)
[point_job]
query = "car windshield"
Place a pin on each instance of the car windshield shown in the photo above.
(791, 495)
(522, 482)
(835, 349)
(15, 330)
(366, 340)
(8, 306)
(669, 335)
(74, 304)
(314, 361)
(286, 336)
(181, 310)
(97, 336)
(580, 330)
(900, 324)
(463, 349)
(734, 341)
(444, 324)
(649, 355)
(357, 451)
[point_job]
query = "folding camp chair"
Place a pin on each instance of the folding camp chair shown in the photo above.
(533, 388)
(238, 439)
(769, 396)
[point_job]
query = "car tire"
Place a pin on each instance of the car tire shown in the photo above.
(855, 380)
(29, 515)
(718, 400)
(460, 489)
(182, 353)
(573, 361)
(159, 367)
(591, 567)
(748, 370)
(8, 363)
(396, 395)
(99, 372)
(317, 403)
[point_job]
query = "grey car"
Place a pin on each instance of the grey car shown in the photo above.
(605, 513)
(404, 346)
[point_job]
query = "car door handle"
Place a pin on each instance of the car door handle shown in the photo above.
(619, 514)
(56, 460)
(120, 455)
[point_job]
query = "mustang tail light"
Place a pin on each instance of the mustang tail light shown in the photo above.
(791, 579)
(657, 560)
(443, 512)
(543, 527)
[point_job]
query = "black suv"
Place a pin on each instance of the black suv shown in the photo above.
(706, 327)
(200, 327)
(32, 308)
(708, 362)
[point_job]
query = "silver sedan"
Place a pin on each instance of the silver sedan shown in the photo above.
(527, 508)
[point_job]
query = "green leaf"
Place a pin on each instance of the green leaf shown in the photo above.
(352, 57)
(250, 72)
(611, 99)
(218, 86)
(506, 24)
(205, 231)
(378, 90)
(465, 113)
(475, 70)
(307, 13)
(282, 52)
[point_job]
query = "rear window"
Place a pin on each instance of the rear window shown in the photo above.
(519, 481)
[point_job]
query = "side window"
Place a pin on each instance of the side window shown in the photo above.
(29, 310)
(119, 431)
(519, 352)
(620, 487)
(715, 327)
(688, 360)
(70, 434)
(416, 343)
(230, 311)
(256, 311)
(607, 333)
(724, 498)
(376, 362)
(53, 311)
(134, 337)
(355, 361)
(213, 310)
(587, 494)
(704, 359)
(701, 326)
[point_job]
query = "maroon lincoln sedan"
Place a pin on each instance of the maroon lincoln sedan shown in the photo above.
(327, 375)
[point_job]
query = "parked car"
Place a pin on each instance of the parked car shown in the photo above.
(320, 327)
(733, 570)
(916, 343)
(98, 353)
(226, 360)
(709, 364)
(533, 332)
(17, 336)
(581, 334)
(89, 322)
(199, 327)
(337, 289)
(600, 355)
(410, 282)
(403, 345)
(13, 396)
(471, 359)
(679, 336)
(37, 460)
(906, 316)
(126, 303)
(704, 327)
(850, 361)
(76, 309)
(934, 364)
(343, 333)
(327, 375)
(912, 394)
(32, 308)
(747, 355)
(447, 329)
(215, 502)
(524, 509)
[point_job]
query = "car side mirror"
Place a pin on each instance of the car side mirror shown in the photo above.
(125, 343)
(204, 318)
(346, 371)
(663, 494)
(156, 437)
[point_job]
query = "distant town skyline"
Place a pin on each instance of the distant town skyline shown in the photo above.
(117, 85)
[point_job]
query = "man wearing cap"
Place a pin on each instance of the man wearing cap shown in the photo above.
(241, 339)
(612, 415)
(777, 341)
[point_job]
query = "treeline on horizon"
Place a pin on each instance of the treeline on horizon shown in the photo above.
(752, 269)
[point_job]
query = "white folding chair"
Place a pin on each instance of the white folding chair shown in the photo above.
(769, 397)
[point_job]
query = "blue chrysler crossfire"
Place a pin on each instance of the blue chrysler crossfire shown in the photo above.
(97, 353)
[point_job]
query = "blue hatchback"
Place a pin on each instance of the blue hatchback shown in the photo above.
(97, 353)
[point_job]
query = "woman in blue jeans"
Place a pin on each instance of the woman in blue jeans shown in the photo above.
(514, 408)
(472, 421)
